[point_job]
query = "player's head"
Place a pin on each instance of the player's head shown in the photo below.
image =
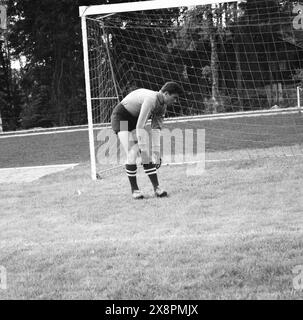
(171, 92)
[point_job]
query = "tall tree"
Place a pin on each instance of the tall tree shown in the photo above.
(10, 94)
(272, 52)
(204, 30)
(48, 34)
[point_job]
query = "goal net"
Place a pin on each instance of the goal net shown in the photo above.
(239, 63)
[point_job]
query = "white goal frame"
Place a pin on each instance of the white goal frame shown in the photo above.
(110, 9)
(143, 5)
(85, 11)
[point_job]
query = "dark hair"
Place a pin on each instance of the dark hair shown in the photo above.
(172, 87)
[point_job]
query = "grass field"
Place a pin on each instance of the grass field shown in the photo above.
(240, 134)
(233, 232)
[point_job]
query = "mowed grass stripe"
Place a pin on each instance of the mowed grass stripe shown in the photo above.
(220, 134)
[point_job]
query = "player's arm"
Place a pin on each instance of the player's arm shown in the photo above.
(142, 135)
(157, 123)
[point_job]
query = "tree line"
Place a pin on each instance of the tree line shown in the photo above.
(49, 89)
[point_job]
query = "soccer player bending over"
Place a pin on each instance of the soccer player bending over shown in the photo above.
(129, 119)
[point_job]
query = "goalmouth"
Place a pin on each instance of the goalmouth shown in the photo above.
(230, 58)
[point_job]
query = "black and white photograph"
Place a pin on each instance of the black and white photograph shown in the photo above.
(151, 153)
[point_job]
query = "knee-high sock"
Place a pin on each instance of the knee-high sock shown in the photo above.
(131, 171)
(151, 171)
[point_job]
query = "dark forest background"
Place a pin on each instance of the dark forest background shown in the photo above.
(49, 89)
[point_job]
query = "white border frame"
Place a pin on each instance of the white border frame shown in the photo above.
(143, 5)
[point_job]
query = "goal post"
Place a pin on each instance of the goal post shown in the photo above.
(3, 16)
(235, 60)
(3, 28)
(299, 98)
(88, 99)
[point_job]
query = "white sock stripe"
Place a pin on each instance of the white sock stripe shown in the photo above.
(151, 173)
(131, 175)
(129, 171)
(149, 170)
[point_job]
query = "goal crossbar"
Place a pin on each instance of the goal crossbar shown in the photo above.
(142, 6)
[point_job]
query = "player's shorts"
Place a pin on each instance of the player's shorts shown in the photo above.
(122, 120)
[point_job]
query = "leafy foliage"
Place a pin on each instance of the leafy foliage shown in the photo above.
(49, 88)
